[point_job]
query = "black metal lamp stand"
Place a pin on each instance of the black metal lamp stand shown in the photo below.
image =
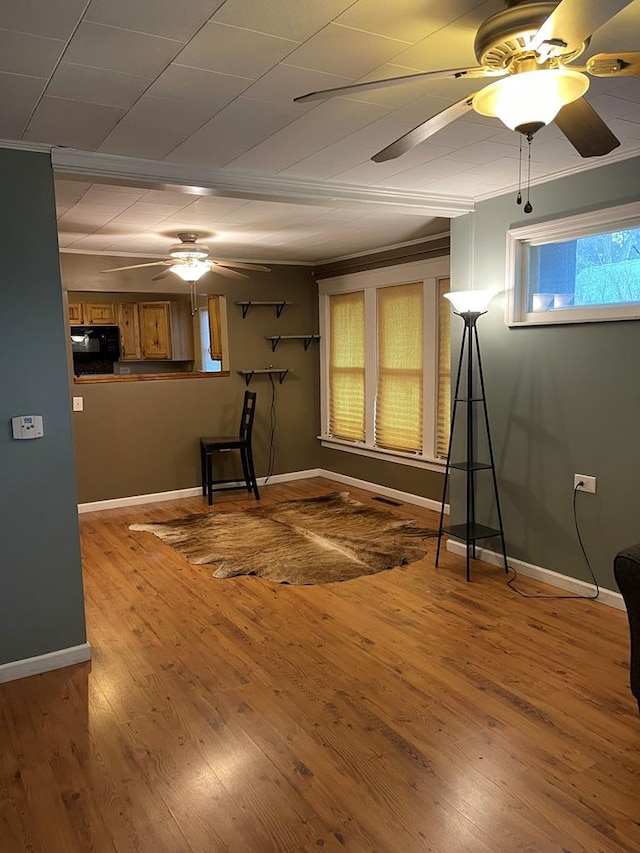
(470, 531)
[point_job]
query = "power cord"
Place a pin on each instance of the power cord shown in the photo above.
(511, 581)
(273, 423)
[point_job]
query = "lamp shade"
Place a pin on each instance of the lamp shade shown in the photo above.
(470, 301)
(191, 270)
(530, 99)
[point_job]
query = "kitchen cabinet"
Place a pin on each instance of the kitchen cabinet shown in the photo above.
(76, 314)
(128, 321)
(99, 314)
(166, 331)
(215, 328)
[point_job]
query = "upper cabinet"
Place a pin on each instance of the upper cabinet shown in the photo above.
(128, 321)
(166, 331)
(99, 314)
(76, 314)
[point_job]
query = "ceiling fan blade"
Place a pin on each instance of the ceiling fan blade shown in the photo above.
(162, 275)
(614, 64)
(136, 266)
(573, 21)
(585, 130)
(229, 273)
(478, 71)
(425, 130)
(255, 267)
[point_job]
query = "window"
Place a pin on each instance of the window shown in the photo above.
(578, 269)
(385, 362)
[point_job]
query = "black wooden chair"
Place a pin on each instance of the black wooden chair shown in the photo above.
(626, 569)
(242, 442)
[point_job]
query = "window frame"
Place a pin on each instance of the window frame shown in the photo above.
(520, 240)
(429, 273)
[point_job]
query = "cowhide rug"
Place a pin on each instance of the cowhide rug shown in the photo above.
(315, 540)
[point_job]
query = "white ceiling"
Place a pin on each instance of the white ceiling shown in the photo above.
(206, 88)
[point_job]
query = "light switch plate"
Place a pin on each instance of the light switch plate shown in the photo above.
(78, 404)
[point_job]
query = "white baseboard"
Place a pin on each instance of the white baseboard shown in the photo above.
(44, 663)
(134, 500)
(385, 491)
(607, 596)
(176, 494)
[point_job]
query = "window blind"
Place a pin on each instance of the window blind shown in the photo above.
(443, 423)
(346, 366)
(399, 399)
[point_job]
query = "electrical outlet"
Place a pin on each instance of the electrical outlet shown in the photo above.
(588, 483)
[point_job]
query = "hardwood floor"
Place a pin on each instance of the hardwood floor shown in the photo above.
(404, 711)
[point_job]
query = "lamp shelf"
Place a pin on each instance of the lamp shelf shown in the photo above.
(471, 532)
(279, 305)
(470, 466)
(249, 374)
(307, 340)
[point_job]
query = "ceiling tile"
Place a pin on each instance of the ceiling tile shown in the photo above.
(294, 19)
(34, 56)
(328, 162)
(408, 20)
(159, 18)
(452, 47)
(231, 50)
(18, 97)
(153, 127)
(96, 85)
(198, 86)
(235, 129)
(326, 124)
(72, 123)
(346, 52)
(53, 18)
(285, 82)
(100, 46)
(69, 192)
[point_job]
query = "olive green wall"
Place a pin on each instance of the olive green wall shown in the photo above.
(562, 399)
(141, 437)
(41, 608)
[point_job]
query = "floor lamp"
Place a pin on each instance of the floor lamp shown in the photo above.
(469, 305)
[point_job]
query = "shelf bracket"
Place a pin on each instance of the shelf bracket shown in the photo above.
(274, 343)
(279, 309)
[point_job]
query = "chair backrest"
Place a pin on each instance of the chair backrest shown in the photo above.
(248, 411)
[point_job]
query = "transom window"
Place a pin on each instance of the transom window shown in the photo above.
(576, 269)
(385, 362)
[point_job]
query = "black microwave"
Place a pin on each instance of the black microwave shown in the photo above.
(94, 348)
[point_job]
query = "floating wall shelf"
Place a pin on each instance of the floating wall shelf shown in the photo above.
(279, 305)
(249, 374)
(307, 340)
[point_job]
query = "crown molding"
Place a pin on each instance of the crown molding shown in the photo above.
(586, 165)
(155, 174)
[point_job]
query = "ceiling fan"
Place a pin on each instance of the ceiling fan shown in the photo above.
(190, 260)
(530, 46)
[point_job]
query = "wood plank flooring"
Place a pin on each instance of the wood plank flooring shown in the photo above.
(405, 711)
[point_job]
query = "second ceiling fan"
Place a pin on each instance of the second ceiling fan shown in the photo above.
(529, 46)
(190, 260)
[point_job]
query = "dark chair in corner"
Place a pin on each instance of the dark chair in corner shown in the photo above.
(242, 442)
(626, 568)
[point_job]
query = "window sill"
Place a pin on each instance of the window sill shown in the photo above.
(145, 377)
(360, 449)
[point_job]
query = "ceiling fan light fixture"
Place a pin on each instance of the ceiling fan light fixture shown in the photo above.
(191, 270)
(529, 100)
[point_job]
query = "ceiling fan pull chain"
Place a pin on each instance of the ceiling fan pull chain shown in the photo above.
(519, 196)
(528, 208)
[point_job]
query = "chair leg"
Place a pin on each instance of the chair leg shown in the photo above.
(210, 477)
(245, 468)
(252, 473)
(203, 470)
